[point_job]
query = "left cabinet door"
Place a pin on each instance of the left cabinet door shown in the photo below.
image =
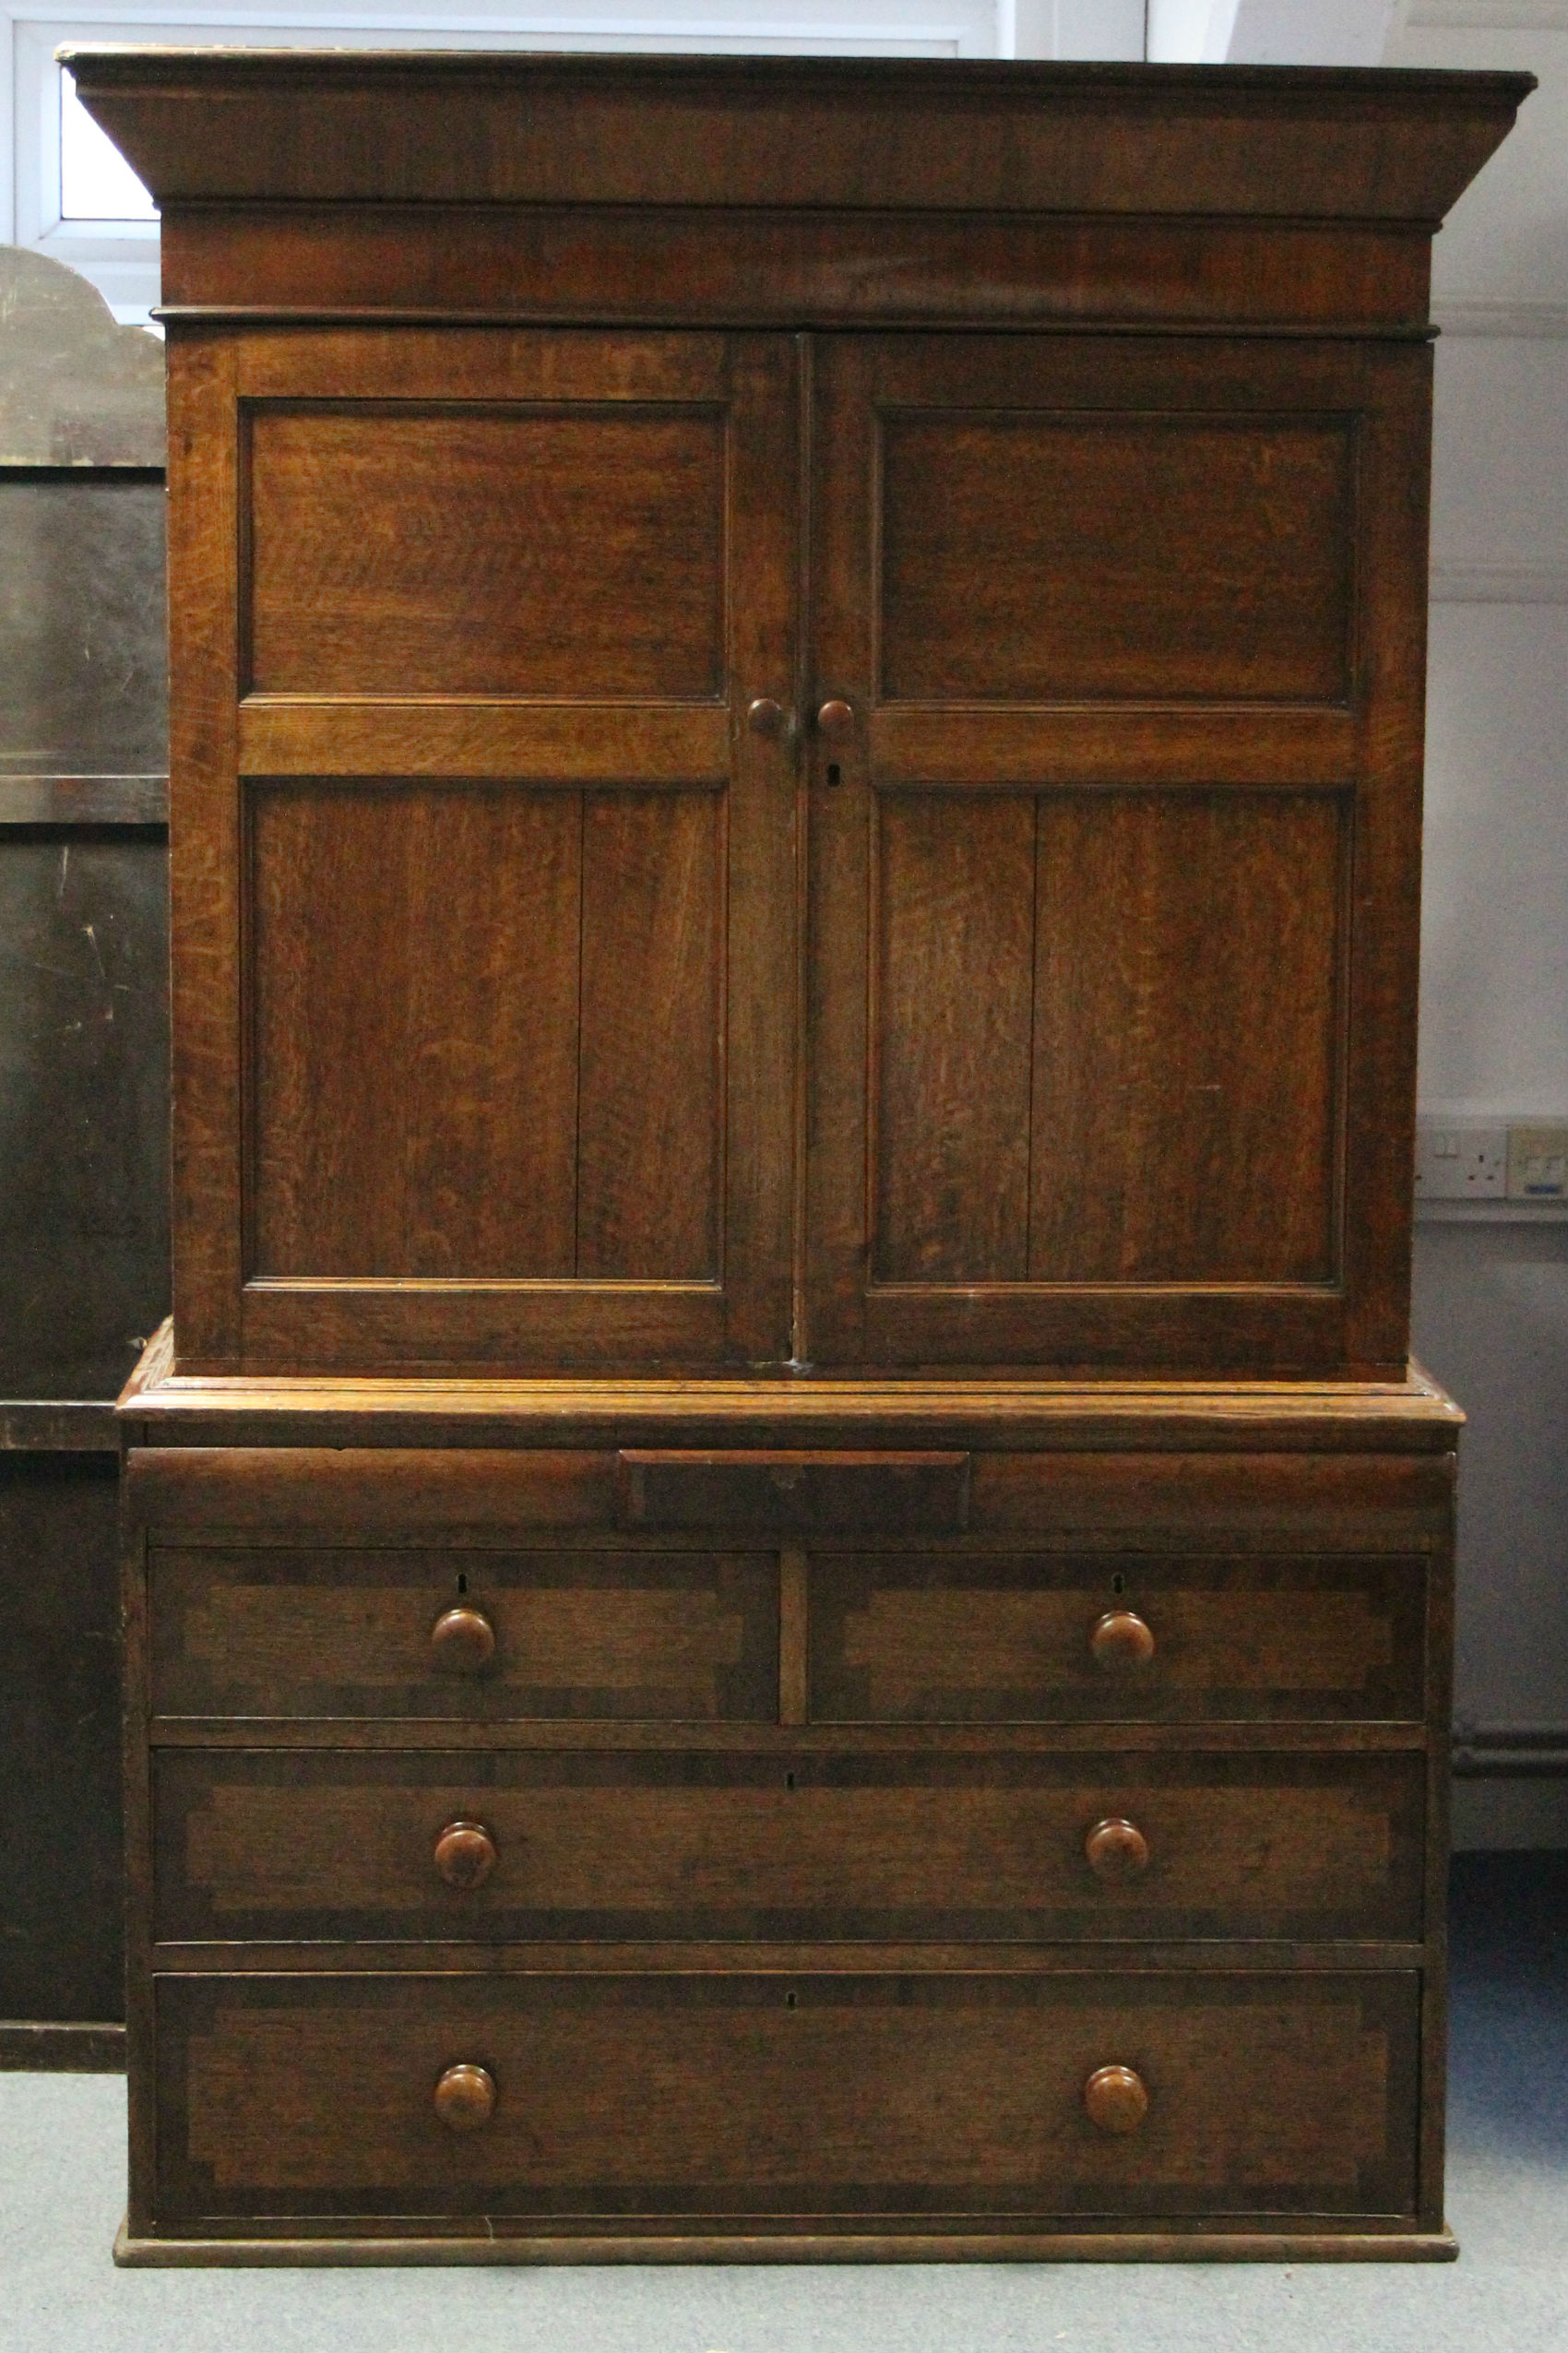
(483, 898)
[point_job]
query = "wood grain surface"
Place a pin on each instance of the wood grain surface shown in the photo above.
(329, 1844)
(787, 2094)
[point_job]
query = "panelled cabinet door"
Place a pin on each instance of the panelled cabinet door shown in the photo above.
(483, 888)
(1113, 867)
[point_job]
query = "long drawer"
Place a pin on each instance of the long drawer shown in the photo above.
(934, 1635)
(561, 2098)
(507, 1845)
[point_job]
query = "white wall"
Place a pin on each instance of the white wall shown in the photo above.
(1491, 1301)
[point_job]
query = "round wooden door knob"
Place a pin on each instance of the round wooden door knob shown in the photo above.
(463, 1639)
(1116, 1849)
(765, 717)
(465, 1854)
(836, 720)
(1116, 2098)
(464, 2097)
(1121, 1641)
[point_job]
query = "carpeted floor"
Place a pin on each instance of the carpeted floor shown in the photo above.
(62, 2188)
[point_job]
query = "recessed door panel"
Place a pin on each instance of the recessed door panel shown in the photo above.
(518, 1073)
(485, 894)
(432, 549)
(1066, 558)
(1112, 859)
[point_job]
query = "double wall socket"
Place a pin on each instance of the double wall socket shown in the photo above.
(1472, 1159)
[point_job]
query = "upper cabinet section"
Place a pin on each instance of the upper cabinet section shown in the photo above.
(789, 191)
(483, 883)
(797, 707)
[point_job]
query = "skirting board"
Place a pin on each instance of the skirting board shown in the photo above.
(1153, 2246)
(1507, 1813)
(49, 2047)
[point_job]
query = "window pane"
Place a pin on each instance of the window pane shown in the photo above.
(96, 183)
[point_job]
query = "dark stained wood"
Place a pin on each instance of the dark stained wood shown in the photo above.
(1398, 1421)
(465, 1854)
(1116, 1850)
(788, 2096)
(462, 1641)
(1116, 2098)
(1205, 1050)
(939, 1639)
(1120, 1643)
(795, 955)
(650, 1123)
(717, 266)
(460, 552)
(61, 1949)
(953, 985)
(464, 2097)
(796, 133)
(1188, 1019)
(588, 991)
(374, 2245)
(468, 1165)
(1055, 559)
(61, 2047)
(793, 1494)
(275, 1632)
(514, 1845)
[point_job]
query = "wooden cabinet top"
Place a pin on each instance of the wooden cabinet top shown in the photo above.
(989, 135)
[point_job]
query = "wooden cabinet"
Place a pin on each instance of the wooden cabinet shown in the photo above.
(788, 1591)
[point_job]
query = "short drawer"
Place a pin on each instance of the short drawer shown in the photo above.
(911, 1637)
(257, 1631)
(285, 1844)
(565, 2098)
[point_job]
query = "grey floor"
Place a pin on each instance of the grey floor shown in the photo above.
(62, 2182)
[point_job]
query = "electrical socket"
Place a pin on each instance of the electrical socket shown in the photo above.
(1537, 1162)
(1460, 1160)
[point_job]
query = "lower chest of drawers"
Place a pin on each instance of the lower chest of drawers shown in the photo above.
(1067, 1876)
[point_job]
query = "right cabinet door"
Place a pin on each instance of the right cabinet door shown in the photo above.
(1114, 862)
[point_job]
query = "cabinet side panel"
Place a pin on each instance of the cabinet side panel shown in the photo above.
(1188, 1055)
(953, 976)
(413, 1009)
(652, 1022)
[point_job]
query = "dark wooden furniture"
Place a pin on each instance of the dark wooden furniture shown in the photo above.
(84, 1177)
(789, 1592)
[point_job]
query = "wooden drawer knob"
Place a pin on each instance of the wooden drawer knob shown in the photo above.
(836, 720)
(464, 2097)
(1116, 1849)
(1116, 2098)
(465, 1854)
(1120, 1640)
(463, 1640)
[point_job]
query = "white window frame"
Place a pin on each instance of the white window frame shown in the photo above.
(120, 256)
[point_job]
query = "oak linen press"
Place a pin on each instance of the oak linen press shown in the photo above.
(787, 1591)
